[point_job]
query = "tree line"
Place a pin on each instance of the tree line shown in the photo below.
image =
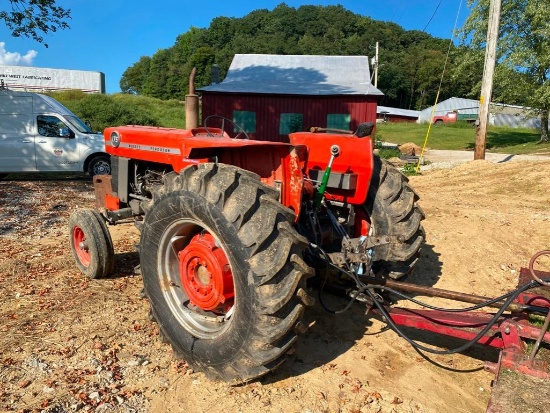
(410, 61)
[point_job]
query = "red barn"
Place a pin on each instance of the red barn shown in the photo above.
(271, 96)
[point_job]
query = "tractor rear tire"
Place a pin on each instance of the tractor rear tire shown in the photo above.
(393, 210)
(91, 243)
(223, 270)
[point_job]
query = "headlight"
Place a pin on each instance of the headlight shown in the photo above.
(115, 139)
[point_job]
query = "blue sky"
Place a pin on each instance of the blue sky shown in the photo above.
(110, 35)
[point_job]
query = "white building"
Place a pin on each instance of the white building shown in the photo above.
(40, 79)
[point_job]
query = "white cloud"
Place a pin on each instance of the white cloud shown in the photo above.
(14, 58)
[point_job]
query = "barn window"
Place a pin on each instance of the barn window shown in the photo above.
(338, 121)
(291, 122)
(245, 119)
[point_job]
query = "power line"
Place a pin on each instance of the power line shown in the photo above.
(440, 84)
(433, 15)
(395, 11)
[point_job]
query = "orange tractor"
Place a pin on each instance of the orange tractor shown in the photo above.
(234, 231)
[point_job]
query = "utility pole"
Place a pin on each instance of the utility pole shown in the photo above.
(376, 66)
(487, 82)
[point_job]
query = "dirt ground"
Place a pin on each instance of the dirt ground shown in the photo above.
(71, 344)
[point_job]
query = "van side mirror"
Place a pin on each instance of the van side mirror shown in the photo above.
(64, 133)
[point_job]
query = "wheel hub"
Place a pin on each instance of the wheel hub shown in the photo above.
(81, 246)
(205, 273)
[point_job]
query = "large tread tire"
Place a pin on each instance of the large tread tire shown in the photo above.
(91, 243)
(264, 252)
(393, 210)
(110, 256)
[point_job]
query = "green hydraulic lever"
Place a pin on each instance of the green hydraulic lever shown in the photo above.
(334, 152)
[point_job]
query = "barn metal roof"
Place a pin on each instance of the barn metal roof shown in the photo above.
(465, 106)
(398, 111)
(297, 75)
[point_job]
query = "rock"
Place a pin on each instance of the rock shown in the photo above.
(410, 148)
(396, 161)
(105, 407)
(23, 383)
(38, 363)
(164, 382)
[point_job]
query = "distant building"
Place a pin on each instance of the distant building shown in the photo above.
(274, 95)
(40, 79)
(465, 106)
(513, 116)
(388, 114)
(500, 114)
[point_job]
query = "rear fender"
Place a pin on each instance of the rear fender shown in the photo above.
(279, 166)
(351, 171)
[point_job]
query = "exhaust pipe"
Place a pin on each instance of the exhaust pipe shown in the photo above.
(192, 104)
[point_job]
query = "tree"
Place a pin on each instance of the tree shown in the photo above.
(523, 51)
(156, 83)
(411, 60)
(134, 77)
(34, 18)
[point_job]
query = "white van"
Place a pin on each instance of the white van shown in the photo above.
(39, 134)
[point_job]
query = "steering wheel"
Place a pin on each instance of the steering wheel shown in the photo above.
(241, 132)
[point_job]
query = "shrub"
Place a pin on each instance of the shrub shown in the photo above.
(103, 110)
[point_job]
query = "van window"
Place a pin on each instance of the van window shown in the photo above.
(50, 126)
(78, 124)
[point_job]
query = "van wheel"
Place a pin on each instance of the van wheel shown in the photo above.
(2, 176)
(100, 165)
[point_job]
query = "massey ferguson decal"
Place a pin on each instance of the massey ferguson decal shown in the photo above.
(149, 148)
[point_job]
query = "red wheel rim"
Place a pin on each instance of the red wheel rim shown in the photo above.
(362, 225)
(81, 246)
(205, 274)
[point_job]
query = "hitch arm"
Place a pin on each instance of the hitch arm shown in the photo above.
(437, 292)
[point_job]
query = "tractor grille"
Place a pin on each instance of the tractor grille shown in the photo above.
(114, 173)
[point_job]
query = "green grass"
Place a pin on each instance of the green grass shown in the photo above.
(462, 136)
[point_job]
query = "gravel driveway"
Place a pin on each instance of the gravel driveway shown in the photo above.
(440, 159)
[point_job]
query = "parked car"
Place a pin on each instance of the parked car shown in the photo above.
(39, 134)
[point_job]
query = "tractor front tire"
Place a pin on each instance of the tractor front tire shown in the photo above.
(91, 243)
(393, 210)
(223, 270)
